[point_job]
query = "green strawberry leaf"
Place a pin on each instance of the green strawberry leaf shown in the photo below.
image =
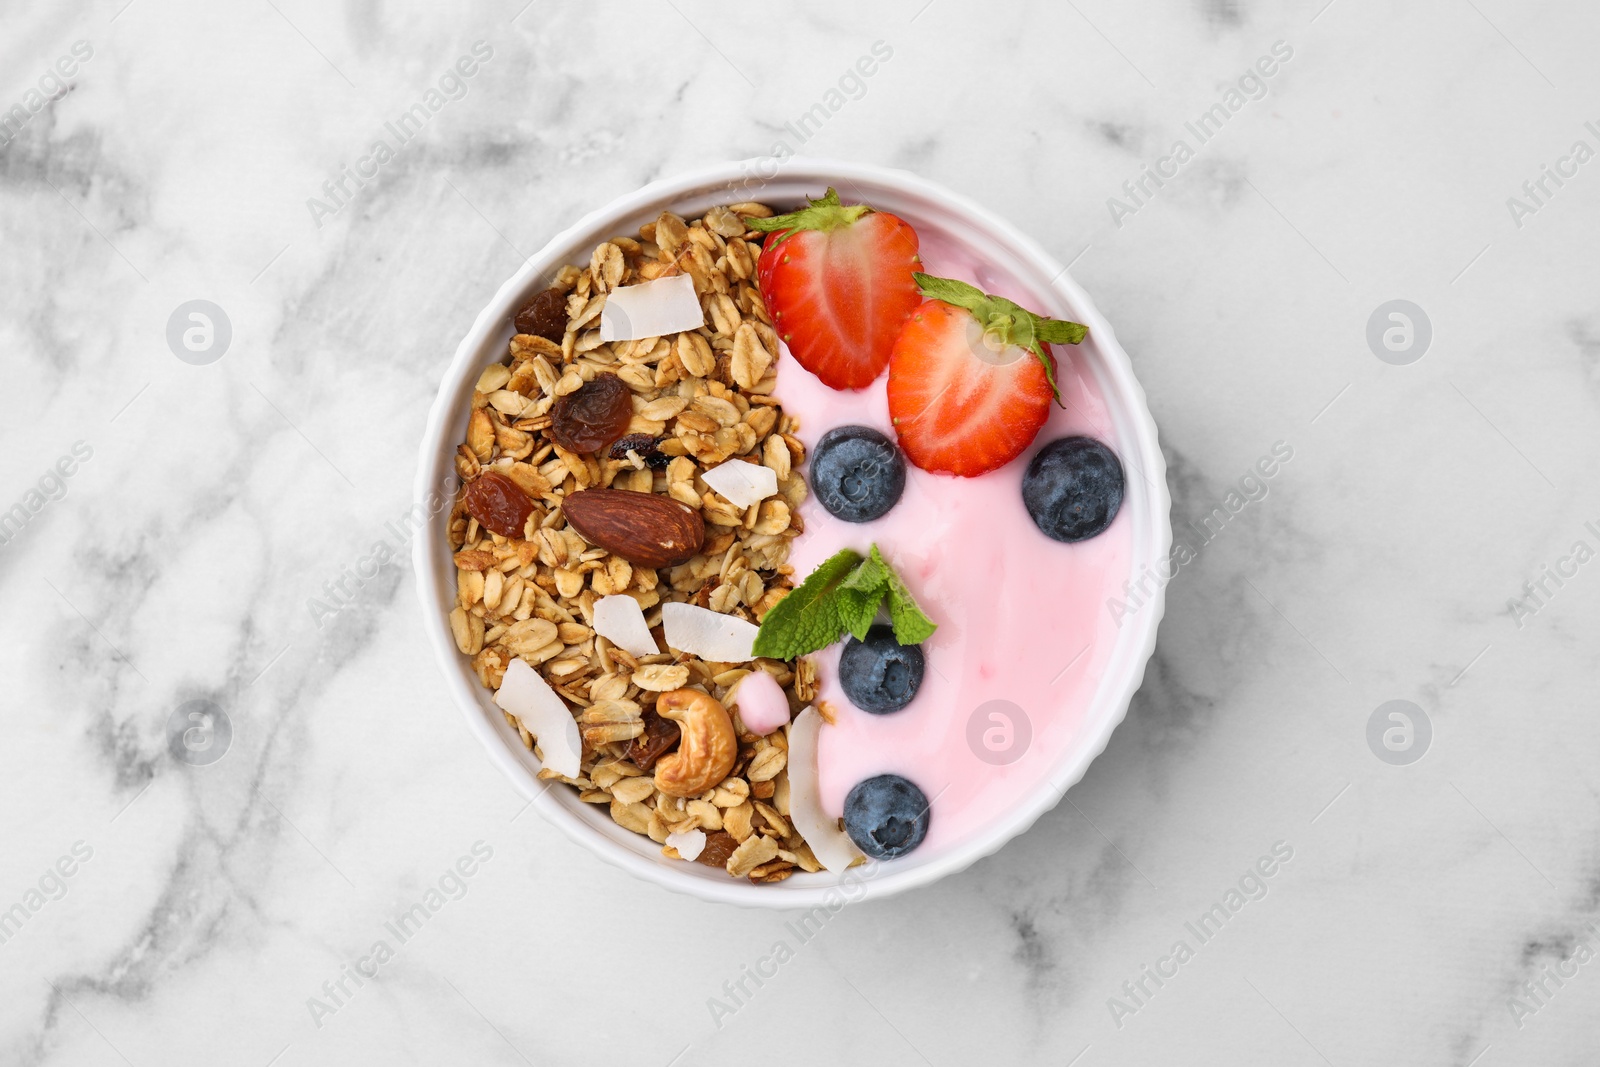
(825, 214)
(911, 624)
(808, 618)
(1006, 322)
(1059, 332)
(950, 290)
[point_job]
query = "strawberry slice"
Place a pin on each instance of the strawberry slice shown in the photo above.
(970, 380)
(838, 282)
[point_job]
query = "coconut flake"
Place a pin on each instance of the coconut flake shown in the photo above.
(689, 844)
(544, 714)
(831, 845)
(744, 484)
(708, 634)
(620, 620)
(651, 309)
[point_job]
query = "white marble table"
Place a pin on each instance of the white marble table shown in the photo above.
(209, 910)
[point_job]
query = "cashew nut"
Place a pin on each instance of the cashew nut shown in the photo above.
(708, 746)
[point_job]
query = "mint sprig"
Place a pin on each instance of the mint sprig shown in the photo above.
(1006, 323)
(843, 593)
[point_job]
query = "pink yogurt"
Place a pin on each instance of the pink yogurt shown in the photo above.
(1022, 619)
(762, 705)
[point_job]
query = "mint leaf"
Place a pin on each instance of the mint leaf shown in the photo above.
(911, 625)
(862, 592)
(810, 617)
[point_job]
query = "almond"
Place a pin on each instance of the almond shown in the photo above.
(643, 528)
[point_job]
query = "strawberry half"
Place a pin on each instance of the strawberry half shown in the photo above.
(838, 281)
(970, 381)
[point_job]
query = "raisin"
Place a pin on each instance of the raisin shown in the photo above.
(545, 316)
(719, 846)
(645, 447)
(593, 415)
(660, 737)
(498, 504)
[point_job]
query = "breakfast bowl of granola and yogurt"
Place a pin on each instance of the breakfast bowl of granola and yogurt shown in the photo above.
(784, 531)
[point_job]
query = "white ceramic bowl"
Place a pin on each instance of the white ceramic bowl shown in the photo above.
(920, 203)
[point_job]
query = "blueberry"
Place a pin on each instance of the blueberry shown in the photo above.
(857, 473)
(886, 816)
(880, 675)
(1073, 488)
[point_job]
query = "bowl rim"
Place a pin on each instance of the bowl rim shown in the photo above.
(435, 580)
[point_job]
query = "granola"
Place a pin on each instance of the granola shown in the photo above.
(699, 398)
